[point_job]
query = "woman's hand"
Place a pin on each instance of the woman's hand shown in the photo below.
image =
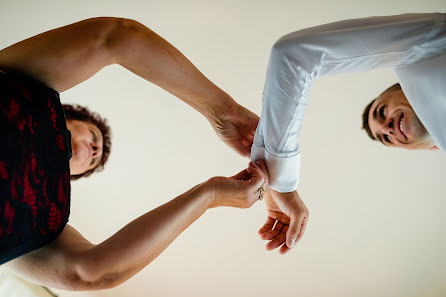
(240, 190)
(236, 126)
(286, 222)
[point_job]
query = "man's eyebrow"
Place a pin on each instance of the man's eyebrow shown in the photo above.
(380, 138)
(375, 115)
(374, 112)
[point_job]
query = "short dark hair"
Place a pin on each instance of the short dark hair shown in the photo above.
(365, 114)
(81, 113)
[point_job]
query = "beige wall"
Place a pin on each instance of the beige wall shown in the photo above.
(377, 214)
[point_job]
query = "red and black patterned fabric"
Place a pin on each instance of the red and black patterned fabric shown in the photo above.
(34, 165)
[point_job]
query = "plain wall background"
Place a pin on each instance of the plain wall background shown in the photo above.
(376, 214)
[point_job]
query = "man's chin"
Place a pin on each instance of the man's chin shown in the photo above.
(419, 132)
(420, 145)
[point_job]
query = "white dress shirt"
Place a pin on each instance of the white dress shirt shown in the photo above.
(412, 45)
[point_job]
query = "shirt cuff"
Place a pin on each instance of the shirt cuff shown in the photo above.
(283, 172)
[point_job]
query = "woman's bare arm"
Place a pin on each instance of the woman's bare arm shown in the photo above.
(73, 263)
(67, 56)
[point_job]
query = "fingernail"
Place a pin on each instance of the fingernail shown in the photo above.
(292, 242)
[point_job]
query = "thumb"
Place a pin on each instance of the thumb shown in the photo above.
(257, 179)
(294, 230)
(240, 148)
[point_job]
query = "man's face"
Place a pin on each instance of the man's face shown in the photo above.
(393, 122)
(86, 143)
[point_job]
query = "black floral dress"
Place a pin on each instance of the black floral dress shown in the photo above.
(35, 149)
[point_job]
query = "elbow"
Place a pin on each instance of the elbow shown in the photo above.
(119, 37)
(294, 43)
(282, 59)
(285, 50)
(280, 48)
(110, 35)
(297, 50)
(89, 274)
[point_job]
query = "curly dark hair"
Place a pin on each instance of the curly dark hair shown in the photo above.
(81, 113)
(365, 114)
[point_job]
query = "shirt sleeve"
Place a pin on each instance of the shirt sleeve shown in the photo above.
(297, 59)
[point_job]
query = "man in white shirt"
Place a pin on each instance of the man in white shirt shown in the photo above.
(412, 45)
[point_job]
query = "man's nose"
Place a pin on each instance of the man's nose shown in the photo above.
(388, 126)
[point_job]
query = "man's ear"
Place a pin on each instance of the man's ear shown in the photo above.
(434, 148)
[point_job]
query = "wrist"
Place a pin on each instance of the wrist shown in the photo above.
(221, 106)
(206, 193)
(209, 189)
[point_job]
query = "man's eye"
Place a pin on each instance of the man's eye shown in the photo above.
(93, 136)
(386, 138)
(382, 112)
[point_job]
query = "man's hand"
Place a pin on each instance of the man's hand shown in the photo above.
(286, 222)
(236, 127)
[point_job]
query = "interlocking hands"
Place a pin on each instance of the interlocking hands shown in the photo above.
(240, 190)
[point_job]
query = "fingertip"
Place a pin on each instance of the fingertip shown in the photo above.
(253, 165)
(249, 169)
(290, 243)
(255, 172)
(284, 249)
(256, 178)
(269, 248)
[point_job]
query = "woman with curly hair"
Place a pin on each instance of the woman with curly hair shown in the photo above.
(89, 124)
(43, 148)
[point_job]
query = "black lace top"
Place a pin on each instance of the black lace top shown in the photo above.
(34, 165)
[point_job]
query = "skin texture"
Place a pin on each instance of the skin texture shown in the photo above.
(67, 56)
(86, 144)
(387, 112)
(286, 221)
(71, 262)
